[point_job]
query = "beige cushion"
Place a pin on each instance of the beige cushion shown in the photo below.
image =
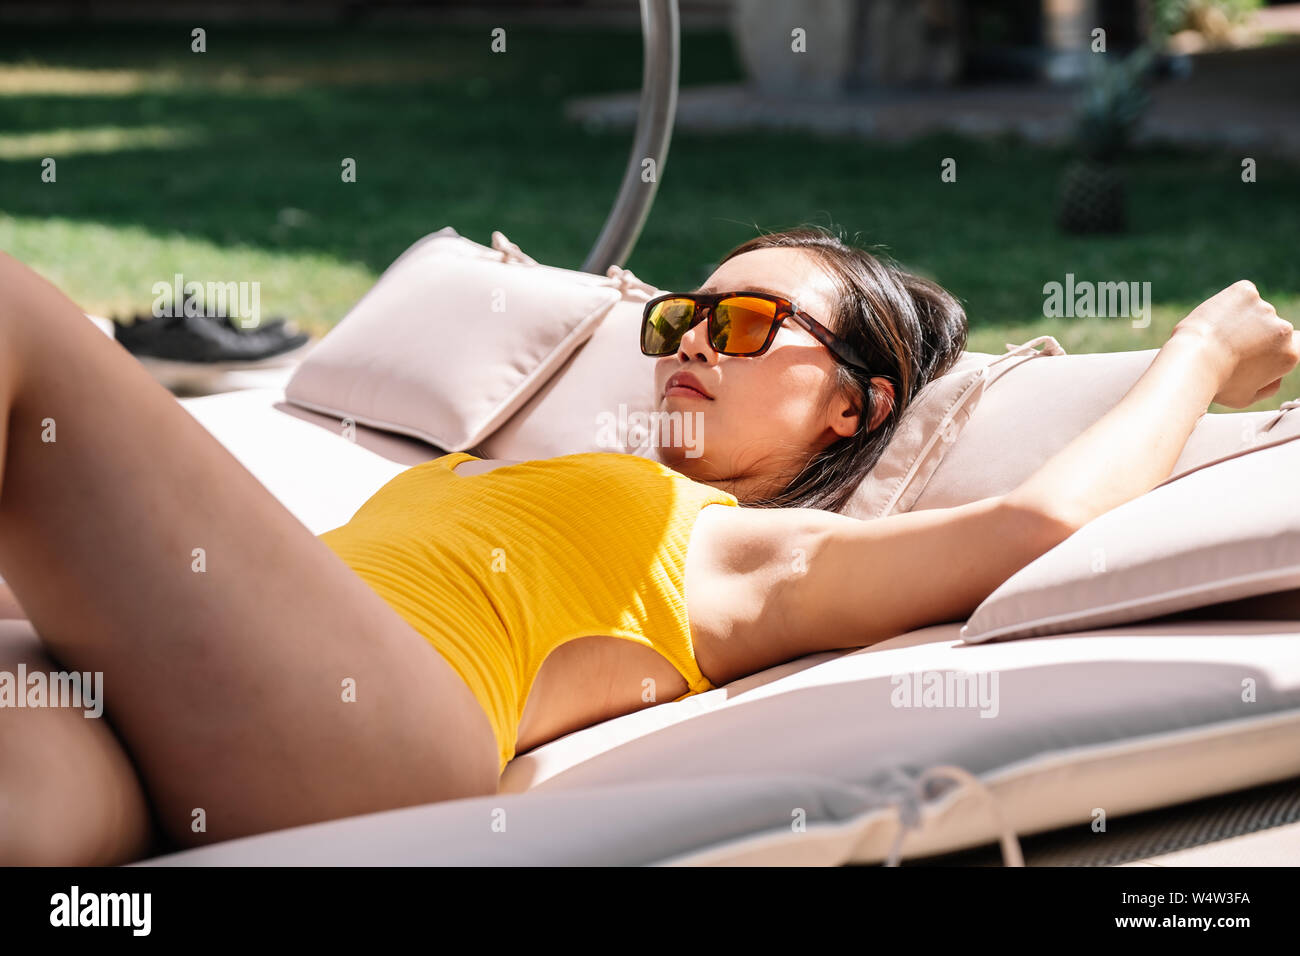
(1221, 533)
(452, 340)
(1038, 408)
(597, 399)
(932, 425)
(1217, 438)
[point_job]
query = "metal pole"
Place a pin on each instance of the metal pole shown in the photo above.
(661, 44)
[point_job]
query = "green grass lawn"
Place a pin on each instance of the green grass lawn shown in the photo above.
(226, 166)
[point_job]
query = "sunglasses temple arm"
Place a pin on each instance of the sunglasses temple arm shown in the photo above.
(832, 342)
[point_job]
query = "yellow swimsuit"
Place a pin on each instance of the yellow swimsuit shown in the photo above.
(498, 569)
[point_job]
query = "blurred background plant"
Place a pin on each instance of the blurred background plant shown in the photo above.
(1093, 195)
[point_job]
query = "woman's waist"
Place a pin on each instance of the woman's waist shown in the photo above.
(519, 587)
(420, 577)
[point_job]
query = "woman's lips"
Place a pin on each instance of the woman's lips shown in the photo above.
(685, 391)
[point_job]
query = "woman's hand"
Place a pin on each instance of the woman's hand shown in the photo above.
(1252, 345)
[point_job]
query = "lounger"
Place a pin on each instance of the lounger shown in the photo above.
(812, 762)
(808, 763)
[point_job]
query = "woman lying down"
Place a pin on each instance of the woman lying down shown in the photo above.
(256, 676)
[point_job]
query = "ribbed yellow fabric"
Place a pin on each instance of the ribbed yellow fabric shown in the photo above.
(500, 568)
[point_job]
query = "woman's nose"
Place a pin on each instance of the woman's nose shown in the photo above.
(695, 341)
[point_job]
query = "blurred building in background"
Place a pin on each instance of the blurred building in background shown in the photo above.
(858, 43)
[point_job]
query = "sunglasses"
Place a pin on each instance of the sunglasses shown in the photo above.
(740, 324)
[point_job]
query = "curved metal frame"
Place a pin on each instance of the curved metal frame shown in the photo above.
(661, 46)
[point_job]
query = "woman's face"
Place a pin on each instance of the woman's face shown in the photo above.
(763, 417)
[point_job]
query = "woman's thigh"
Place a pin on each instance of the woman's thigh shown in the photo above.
(9, 607)
(70, 794)
(256, 681)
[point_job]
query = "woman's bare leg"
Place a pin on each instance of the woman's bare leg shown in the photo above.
(81, 802)
(230, 638)
(10, 609)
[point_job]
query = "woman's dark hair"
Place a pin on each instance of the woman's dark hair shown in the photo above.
(906, 328)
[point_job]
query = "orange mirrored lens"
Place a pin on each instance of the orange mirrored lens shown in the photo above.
(743, 323)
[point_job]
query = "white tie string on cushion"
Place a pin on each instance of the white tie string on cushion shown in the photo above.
(509, 251)
(625, 280)
(909, 806)
(629, 286)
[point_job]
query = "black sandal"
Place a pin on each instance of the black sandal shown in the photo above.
(204, 339)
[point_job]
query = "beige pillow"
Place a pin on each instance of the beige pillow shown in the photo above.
(452, 340)
(1217, 438)
(1221, 533)
(598, 400)
(1040, 407)
(931, 426)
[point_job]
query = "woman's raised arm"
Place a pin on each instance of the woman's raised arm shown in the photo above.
(1232, 349)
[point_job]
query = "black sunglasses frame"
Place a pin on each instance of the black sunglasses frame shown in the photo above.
(706, 304)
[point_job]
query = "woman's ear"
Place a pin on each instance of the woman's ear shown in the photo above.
(883, 393)
(844, 413)
(846, 410)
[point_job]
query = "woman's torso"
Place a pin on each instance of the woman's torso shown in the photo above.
(597, 678)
